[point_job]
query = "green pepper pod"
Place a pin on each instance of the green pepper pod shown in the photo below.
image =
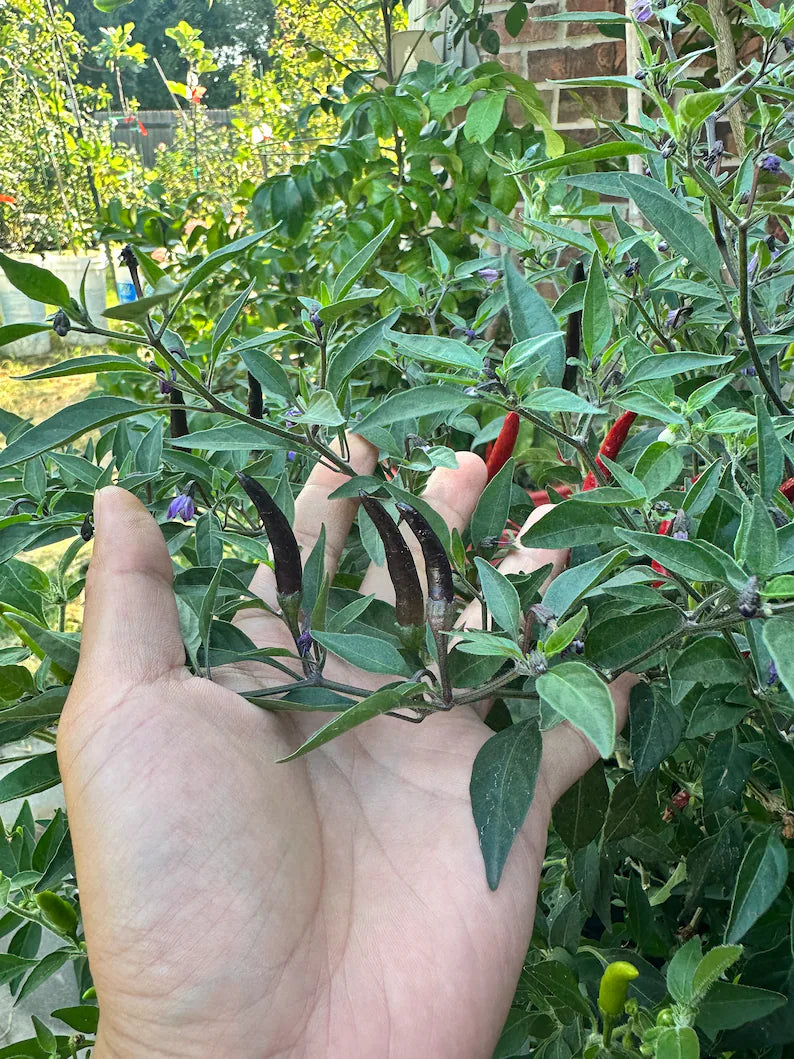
(408, 601)
(287, 565)
(58, 911)
(614, 987)
(440, 593)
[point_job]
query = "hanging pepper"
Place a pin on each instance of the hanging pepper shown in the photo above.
(573, 338)
(611, 446)
(255, 405)
(440, 593)
(178, 414)
(787, 489)
(408, 601)
(503, 446)
(287, 565)
(58, 911)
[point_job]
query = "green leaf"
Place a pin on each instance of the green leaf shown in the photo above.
(381, 702)
(571, 585)
(579, 695)
(613, 642)
(631, 808)
(686, 558)
(321, 410)
(713, 964)
(678, 1042)
(554, 399)
(685, 234)
(358, 264)
(139, 309)
(570, 524)
(483, 117)
(232, 436)
(16, 681)
(12, 967)
(695, 107)
(43, 970)
(728, 1006)
(91, 365)
(447, 351)
(39, 773)
(781, 587)
(502, 786)
(658, 467)
(762, 875)
(681, 971)
(596, 314)
(110, 7)
(778, 636)
(267, 371)
(37, 283)
(708, 660)
(665, 365)
(578, 815)
(501, 597)
(531, 317)
(370, 653)
(414, 403)
(725, 771)
(209, 542)
(560, 637)
(218, 258)
(84, 1018)
(600, 151)
(63, 648)
(67, 425)
(12, 332)
(770, 451)
(225, 325)
(656, 727)
(493, 507)
(756, 542)
(357, 350)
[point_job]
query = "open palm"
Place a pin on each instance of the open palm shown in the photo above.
(333, 906)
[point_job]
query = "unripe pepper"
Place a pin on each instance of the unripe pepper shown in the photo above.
(408, 601)
(58, 911)
(504, 445)
(614, 987)
(287, 565)
(610, 446)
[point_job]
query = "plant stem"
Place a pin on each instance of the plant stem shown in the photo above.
(747, 326)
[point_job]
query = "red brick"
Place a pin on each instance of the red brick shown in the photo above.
(515, 61)
(604, 58)
(578, 29)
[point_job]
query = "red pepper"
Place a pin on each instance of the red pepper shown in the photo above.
(787, 489)
(610, 446)
(540, 496)
(504, 445)
(663, 529)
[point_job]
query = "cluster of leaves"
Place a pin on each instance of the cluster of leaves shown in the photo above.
(671, 853)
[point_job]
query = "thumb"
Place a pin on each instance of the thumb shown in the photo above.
(131, 626)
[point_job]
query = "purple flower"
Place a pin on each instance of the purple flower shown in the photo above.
(290, 456)
(771, 164)
(165, 384)
(291, 415)
(642, 10)
(490, 275)
(470, 333)
(676, 317)
(749, 370)
(772, 677)
(304, 643)
(182, 506)
(681, 535)
(752, 264)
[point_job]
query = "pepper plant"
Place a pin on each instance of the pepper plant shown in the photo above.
(649, 361)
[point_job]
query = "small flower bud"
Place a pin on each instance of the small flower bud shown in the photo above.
(663, 246)
(772, 164)
(771, 674)
(640, 75)
(632, 269)
(680, 800)
(538, 665)
(748, 601)
(127, 257)
(61, 323)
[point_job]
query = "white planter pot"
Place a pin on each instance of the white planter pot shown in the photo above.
(16, 308)
(71, 268)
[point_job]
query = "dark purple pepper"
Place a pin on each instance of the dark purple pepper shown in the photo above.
(87, 529)
(255, 404)
(178, 414)
(408, 601)
(573, 338)
(440, 592)
(127, 257)
(287, 565)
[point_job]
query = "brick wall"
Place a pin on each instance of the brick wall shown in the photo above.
(546, 51)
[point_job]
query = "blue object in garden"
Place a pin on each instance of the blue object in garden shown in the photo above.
(125, 290)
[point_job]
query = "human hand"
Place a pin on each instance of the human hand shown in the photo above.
(333, 906)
